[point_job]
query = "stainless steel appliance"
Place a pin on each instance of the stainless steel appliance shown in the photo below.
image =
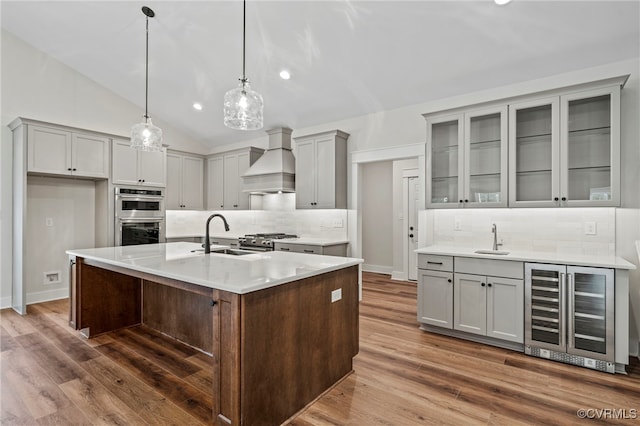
(569, 315)
(262, 242)
(140, 216)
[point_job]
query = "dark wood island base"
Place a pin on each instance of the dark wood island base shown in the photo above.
(273, 350)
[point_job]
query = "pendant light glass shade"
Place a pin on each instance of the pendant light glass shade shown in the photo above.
(145, 136)
(243, 108)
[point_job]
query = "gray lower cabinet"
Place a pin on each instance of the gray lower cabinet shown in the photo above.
(455, 293)
(327, 250)
(435, 290)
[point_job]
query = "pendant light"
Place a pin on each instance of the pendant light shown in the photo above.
(145, 136)
(243, 106)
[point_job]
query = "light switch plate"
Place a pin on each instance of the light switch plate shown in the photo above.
(336, 295)
(457, 224)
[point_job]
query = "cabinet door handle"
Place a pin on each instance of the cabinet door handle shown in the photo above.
(221, 205)
(460, 200)
(434, 263)
(488, 284)
(449, 280)
(69, 169)
(564, 198)
(284, 249)
(411, 228)
(235, 205)
(410, 235)
(308, 251)
(482, 284)
(555, 198)
(466, 201)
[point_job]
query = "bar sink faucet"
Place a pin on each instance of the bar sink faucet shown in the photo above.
(494, 230)
(207, 244)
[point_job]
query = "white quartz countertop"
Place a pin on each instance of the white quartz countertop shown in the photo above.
(313, 241)
(236, 274)
(532, 256)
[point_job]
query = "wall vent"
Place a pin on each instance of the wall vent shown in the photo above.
(52, 277)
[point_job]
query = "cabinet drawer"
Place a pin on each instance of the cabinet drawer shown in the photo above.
(494, 268)
(298, 248)
(435, 262)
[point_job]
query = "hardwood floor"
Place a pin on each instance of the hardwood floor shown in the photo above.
(402, 376)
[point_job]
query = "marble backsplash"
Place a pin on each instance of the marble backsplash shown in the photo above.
(278, 215)
(555, 230)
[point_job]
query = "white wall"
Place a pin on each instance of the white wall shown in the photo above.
(377, 217)
(69, 204)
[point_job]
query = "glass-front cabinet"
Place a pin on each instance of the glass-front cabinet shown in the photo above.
(565, 150)
(467, 159)
(590, 148)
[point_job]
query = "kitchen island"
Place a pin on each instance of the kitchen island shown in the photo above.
(282, 328)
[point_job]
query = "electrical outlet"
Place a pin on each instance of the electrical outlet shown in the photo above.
(590, 228)
(48, 221)
(336, 295)
(338, 223)
(457, 224)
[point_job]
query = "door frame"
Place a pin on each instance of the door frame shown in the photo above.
(406, 175)
(359, 158)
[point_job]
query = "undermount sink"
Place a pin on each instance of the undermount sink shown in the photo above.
(230, 252)
(498, 252)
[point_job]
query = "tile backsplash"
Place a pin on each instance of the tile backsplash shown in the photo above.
(559, 230)
(278, 215)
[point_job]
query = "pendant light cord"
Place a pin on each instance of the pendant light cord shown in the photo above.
(146, 76)
(244, 32)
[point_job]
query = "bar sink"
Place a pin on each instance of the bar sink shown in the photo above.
(497, 252)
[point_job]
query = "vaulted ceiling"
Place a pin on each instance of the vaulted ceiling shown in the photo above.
(346, 58)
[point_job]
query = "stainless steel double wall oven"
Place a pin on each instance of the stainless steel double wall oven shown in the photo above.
(140, 216)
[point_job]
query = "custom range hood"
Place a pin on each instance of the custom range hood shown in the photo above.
(275, 170)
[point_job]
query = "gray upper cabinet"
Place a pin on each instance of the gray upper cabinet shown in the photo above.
(135, 167)
(224, 179)
(185, 182)
(557, 150)
(467, 158)
(57, 151)
(565, 149)
(321, 170)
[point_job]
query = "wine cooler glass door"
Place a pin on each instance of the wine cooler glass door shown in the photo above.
(591, 314)
(545, 306)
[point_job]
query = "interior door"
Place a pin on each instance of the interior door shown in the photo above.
(413, 193)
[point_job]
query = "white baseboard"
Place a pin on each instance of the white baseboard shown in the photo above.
(399, 275)
(5, 302)
(380, 269)
(47, 296)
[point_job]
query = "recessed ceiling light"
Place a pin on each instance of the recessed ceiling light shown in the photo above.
(197, 106)
(502, 2)
(284, 74)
